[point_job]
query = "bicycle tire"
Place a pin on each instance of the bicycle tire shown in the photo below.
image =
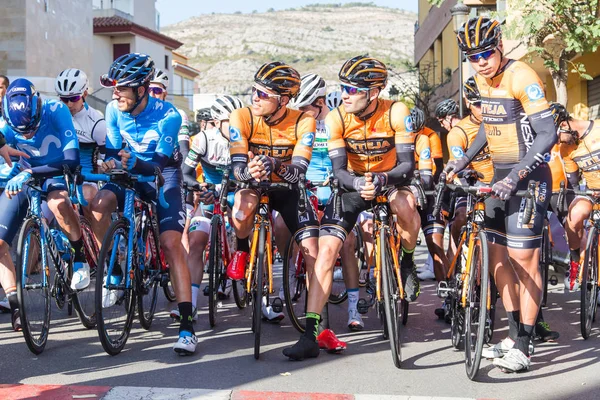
(169, 291)
(118, 229)
(148, 278)
(84, 300)
(456, 323)
(391, 297)
(491, 324)
(214, 269)
(545, 258)
(294, 287)
(589, 284)
(258, 290)
(477, 297)
(36, 334)
(404, 306)
(240, 295)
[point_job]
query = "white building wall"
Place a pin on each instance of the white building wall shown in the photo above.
(145, 13)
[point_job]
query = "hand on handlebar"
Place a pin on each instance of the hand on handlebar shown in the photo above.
(128, 159)
(505, 188)
(15, 185)
(109, 165)
(369, 190)
(455, 166)
(206, 196)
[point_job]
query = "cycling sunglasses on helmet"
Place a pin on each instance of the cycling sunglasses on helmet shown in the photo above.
(351, 90)
(261, 94)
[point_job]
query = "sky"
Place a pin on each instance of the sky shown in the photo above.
(172, 11)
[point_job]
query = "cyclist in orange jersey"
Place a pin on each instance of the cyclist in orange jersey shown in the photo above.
(519, 129)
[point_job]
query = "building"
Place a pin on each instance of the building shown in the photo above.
(436, 50)
(183, 86)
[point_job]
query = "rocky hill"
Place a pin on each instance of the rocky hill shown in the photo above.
(229, 48)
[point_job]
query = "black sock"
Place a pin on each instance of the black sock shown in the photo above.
(185, 321)
(522, 342)
(13, 301)
(78, 247)
(312, 326)
(243, 245)
(540, 317)
(575, 255)
(324, 323)
(513, 324)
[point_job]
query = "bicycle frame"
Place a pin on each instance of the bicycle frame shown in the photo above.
(261, 218)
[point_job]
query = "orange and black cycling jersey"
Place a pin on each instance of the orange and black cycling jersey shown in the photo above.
(437, 154)
(380, 144)
(517, 122)
(459, 140)
(423, 158)
(584, 157)
(557, 169)
(288, 143)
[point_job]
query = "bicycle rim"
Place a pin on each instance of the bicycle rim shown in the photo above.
(258, 290)
(214, 269)
(114, 321)
(147, 279)
(476, 311)
(545, 257)
(589, 284)
(294, 286)
(391, 301)
(84, 300)
(33, 287)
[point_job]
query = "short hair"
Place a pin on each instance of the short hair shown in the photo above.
(6, 79)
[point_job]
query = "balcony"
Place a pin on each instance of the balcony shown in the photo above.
(111, 12)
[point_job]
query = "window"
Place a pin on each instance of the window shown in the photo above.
(120, 50)
(166, 62)
(188, 91)
(593, 98)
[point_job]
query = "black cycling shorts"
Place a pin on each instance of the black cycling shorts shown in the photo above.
(503, 219)
(433, 223)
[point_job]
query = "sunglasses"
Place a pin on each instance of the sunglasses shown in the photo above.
(107, 82)
(478, 56)
(156, 90)
(72, 99)
(351, 90)
(263, 95)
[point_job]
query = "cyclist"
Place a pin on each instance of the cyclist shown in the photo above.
(510, 90)
(333, 100)
(142, 135)
(44, 132)
(312, 100)
(270, 141)
(210, 149)
(71, 85)
(367, 136)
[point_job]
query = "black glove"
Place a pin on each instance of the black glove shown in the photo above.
(379, 181)
(456, 166)
(359, 183)
(268, 163)
(505, 188)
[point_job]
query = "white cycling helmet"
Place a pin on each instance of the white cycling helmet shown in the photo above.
(160, 77)
(312, 86)
(223, 106)
(71, 82)
(334, 100)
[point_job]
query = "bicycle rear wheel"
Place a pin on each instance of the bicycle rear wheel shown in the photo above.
(258, 290)
(33, 289)
(148, 277)
(294, 286)
(115, 304)
(589, 284)
(84, 300)
(215, 269)
(391, 299)
(476, 313)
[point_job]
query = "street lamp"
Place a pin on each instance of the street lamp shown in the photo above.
(459, 17)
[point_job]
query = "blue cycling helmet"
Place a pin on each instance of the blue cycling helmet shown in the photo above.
(22, 106)
(131, 70)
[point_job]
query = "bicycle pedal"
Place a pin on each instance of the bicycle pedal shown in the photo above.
(443, 290)
(362, 306)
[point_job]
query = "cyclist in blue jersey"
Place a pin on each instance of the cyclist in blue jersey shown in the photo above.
(44, 132)
(71, 85)
(312, 100)
(142, 138)
(210, 149)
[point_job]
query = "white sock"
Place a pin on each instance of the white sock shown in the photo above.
(352, 299)
(195, 290)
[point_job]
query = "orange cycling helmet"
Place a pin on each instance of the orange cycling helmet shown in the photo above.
(279, 77)
(479, 34)
(364, 72)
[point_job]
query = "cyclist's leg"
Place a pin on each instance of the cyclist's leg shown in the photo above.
(350, 269)
(365, 222)
(90, 190)
(404, 206)
(458, 221)
(104, 204)
(198, 231)
(244, 207)
(579, 211)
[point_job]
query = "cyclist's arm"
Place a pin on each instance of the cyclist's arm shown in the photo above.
(114, 140)
(302, 152)
(425, 164)
(478, 144)
(337, 152)
(99, 136)
(405, 147)
(183, 137)
(239, 133)
(193, 159)
(571, 167)
(437, 155)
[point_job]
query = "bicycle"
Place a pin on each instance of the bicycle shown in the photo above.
(38, 246)
(130, 264)
(469, 277)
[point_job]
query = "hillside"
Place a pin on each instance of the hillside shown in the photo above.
(229, 48)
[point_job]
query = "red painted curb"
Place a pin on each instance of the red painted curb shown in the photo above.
(249, 395)
(51, 392)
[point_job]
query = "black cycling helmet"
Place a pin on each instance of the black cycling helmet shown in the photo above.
(364, 72)
(559, 113)
(203, 114)
(445, 108)
(279, 77)
(131, 70)
(479, 34)
(471, 91)
(418, 119)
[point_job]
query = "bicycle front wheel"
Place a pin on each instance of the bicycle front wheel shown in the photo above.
(589, 284)
(294, 285)
(84, 300)
(33, 290)
(148, 277)
(476, 313)
(391, 299)
(115, 303)
(215, 269)
(258, 289)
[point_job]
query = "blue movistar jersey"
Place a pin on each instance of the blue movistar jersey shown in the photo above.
(53, 145)
(320, 164)
(150, 135)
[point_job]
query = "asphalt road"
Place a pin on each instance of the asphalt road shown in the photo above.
(431, 367)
